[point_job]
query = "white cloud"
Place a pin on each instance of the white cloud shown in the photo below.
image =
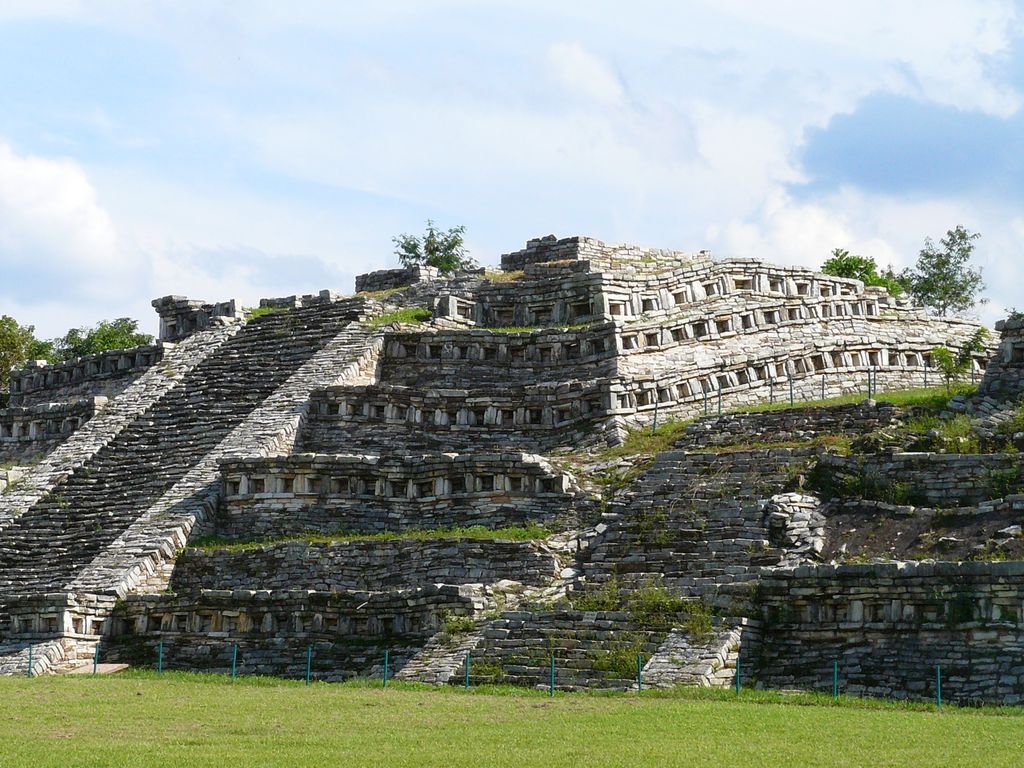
(583, 73)
(891, 230)
(53, 227)
(660, 124)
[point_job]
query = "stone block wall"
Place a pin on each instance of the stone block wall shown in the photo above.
(551, 248)
(390, 279)
(370, 566)
(57, 614)
(105, 374)
(928, 479)
(1003, 379)
(180, 317)
(286, 496)
(29, 432)
(461, 358)
(274, 631)
(535, 417)
(889, 626)
(298, 302)
(787, 425)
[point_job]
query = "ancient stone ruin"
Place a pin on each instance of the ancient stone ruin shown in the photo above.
(441, 471)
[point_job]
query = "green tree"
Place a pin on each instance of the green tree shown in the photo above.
(954, 365)
(122, 333)
(444, 250)
(863, 268)
(943, 279)
(18, 344)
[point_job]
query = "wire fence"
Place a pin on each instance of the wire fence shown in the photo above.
(925, 682)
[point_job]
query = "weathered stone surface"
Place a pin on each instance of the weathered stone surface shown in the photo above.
(309, 421)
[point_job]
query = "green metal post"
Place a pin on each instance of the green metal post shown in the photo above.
(96, 659)
(467, 670)
(835, 680)
(739, 683)
(30, 661)
(551, 683)
(309, 664)
(160, 657)
(823, 386)
(926, 374)
(387, 661)
(719, 401)
(639, 672)
(705, 402)
(771, 391)
(234, 663)
(791, 400)
(938, 686)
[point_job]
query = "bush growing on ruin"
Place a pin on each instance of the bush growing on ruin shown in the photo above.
(444, 250)
(943, 279)
(863, 268)
(122, 333)
(954, 366)
(18, 344)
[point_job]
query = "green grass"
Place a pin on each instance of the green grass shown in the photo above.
(478, 532)
(204, 720)
(505, 277)
(535, 328)
(409, 315)
(643, 441)
(256, 312)
(933, 399)
(384, 293)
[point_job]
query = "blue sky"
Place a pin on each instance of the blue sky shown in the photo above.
(251, 149)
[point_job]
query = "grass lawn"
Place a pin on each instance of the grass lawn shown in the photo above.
(139, 719)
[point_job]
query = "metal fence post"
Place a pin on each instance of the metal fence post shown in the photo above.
(551, 681)
(719, 400)
(30, 661)
(705, 401)
(771, 391)
(467, 670)
(96, 659)
(387, 663)
(791, 399)
(823, 386)
(654, 427)
(234, 663)
(835, 680)
(309, 664)
(938, 686)
(639, 673)
(739, 683)
(160, 658)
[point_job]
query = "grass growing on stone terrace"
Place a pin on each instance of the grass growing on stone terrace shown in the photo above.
(409, 315)
(645, 441)
(475, 532)
(140, 719)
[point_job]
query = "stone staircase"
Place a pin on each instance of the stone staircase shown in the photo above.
(110, 523)
(695, 522)
(46, 547)
(591, 649)
(441, 660)
(703, 662)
